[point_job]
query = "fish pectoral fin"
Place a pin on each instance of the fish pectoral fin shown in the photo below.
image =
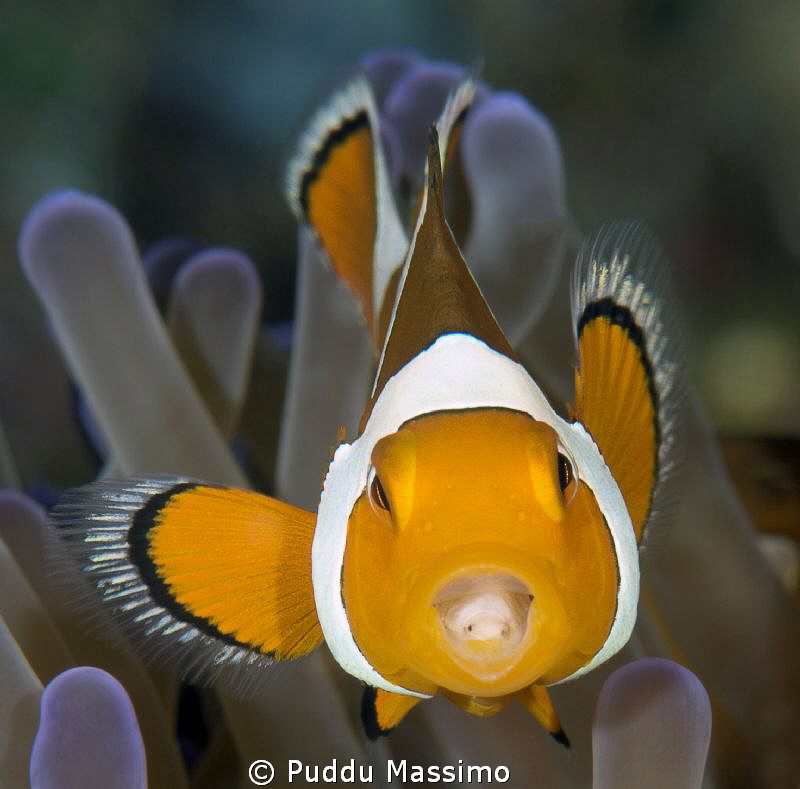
(207, 576)
(627, 390)
(382, 711)
(536, 700)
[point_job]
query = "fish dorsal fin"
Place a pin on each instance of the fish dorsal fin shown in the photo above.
(448, 127)
(437, 293)
(339, 184)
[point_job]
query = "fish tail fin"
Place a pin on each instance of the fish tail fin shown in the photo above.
(628, 391)
(382, 711)
(338, 184)
(218, 580)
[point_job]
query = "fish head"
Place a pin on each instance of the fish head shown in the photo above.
(476, 560)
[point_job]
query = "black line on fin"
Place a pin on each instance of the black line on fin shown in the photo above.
(369, 714)
(336, 137)
(460, 118)
(139, 555)
(561, 738)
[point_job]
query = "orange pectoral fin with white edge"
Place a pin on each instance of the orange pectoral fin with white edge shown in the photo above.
(626, 392)
(210, 576)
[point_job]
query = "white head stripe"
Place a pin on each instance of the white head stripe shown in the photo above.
(457, 372)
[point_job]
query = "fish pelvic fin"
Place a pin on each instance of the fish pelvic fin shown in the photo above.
(628, 391)
(382, 711)
(537, 701)
(215, 579)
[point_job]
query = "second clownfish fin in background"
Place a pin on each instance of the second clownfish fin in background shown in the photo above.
(338, 183)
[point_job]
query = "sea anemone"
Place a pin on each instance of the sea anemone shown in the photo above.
(170, 393)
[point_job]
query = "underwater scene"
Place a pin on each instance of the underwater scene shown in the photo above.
(400, 393)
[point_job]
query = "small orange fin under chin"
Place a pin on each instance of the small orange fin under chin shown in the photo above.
(537, 701)
(382, 711)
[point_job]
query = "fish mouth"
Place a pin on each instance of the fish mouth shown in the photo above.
(484, 617)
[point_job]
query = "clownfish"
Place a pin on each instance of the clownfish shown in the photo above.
(469, 540)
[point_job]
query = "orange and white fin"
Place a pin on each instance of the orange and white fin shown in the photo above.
(627, 393)
(338, 183)
(437, 293)
(213, 578)
(382, 711)
(536, 700)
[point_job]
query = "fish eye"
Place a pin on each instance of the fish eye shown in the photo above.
(377, 494)
(567, 477)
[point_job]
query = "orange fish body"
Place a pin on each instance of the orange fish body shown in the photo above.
(469, 540)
